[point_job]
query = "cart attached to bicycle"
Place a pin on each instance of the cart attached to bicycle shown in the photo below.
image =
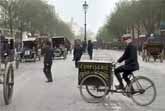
(95, 80)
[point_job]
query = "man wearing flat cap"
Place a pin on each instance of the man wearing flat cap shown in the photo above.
(131, 62)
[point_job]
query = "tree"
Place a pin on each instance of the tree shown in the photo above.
(135, 14)
(33, 16)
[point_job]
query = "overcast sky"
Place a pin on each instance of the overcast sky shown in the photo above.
(97, 12)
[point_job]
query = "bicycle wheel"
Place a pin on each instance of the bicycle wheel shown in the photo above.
(8, 85)
(144, 91)
(93, 88)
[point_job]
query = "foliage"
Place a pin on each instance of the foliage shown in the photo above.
(131, 15)
(33, 16)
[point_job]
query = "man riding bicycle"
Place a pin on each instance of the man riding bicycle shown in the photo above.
(131, 62)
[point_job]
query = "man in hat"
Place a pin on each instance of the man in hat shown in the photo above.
(131, 62)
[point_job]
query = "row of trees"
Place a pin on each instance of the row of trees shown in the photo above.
(144, 16)
(33, 16)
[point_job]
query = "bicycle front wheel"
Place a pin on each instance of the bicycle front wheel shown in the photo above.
(144, 91)
(93, 89)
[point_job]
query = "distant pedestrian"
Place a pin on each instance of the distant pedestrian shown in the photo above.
(90, 49)
(48, 58)
(77, 53)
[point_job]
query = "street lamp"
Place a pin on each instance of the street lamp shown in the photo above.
(85, 7)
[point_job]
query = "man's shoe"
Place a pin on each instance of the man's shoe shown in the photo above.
(119, 87)
(49, 81)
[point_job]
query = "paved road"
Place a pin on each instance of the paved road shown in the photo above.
(31, 93)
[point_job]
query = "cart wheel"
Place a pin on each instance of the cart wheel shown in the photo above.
(8, 85)
(144, 91)
(93, 89)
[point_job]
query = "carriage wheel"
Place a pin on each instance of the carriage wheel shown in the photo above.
(8, 85)
(93, 89)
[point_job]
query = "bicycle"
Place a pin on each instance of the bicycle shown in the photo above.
(96, 86)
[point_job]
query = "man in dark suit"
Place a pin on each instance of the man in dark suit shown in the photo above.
(90, 49)
(131, 63)
(77, 52)
(48, 57)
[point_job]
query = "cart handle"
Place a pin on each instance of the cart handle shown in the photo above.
(114, 64)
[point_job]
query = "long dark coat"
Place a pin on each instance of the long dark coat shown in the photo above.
(130, 58)
(48, 55)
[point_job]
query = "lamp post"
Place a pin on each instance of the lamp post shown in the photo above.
(85, 7)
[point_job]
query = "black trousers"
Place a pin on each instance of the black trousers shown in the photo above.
(76, 62)
(126, 72)
(47, 71)
(90, 53)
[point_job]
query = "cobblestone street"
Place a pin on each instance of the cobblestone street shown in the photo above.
(32, 93)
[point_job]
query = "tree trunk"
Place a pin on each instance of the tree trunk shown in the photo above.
(10, 21)
(133, 32)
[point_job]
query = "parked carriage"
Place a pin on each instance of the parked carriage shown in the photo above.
(60, 49)
(153, 48)
(40, 43)
(7, 68)
(29, 50)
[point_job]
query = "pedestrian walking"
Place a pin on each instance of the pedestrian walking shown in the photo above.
(90, 49)
(48, 58)
(77, 53)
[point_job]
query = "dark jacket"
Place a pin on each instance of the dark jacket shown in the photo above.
(4, 46)
(77, 53)
(90, 47)
(130, 58)
(48, 55)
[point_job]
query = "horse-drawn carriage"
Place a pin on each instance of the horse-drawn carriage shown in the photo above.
(7, 68)
(59, 46)
(153, 48)
(29, 50)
